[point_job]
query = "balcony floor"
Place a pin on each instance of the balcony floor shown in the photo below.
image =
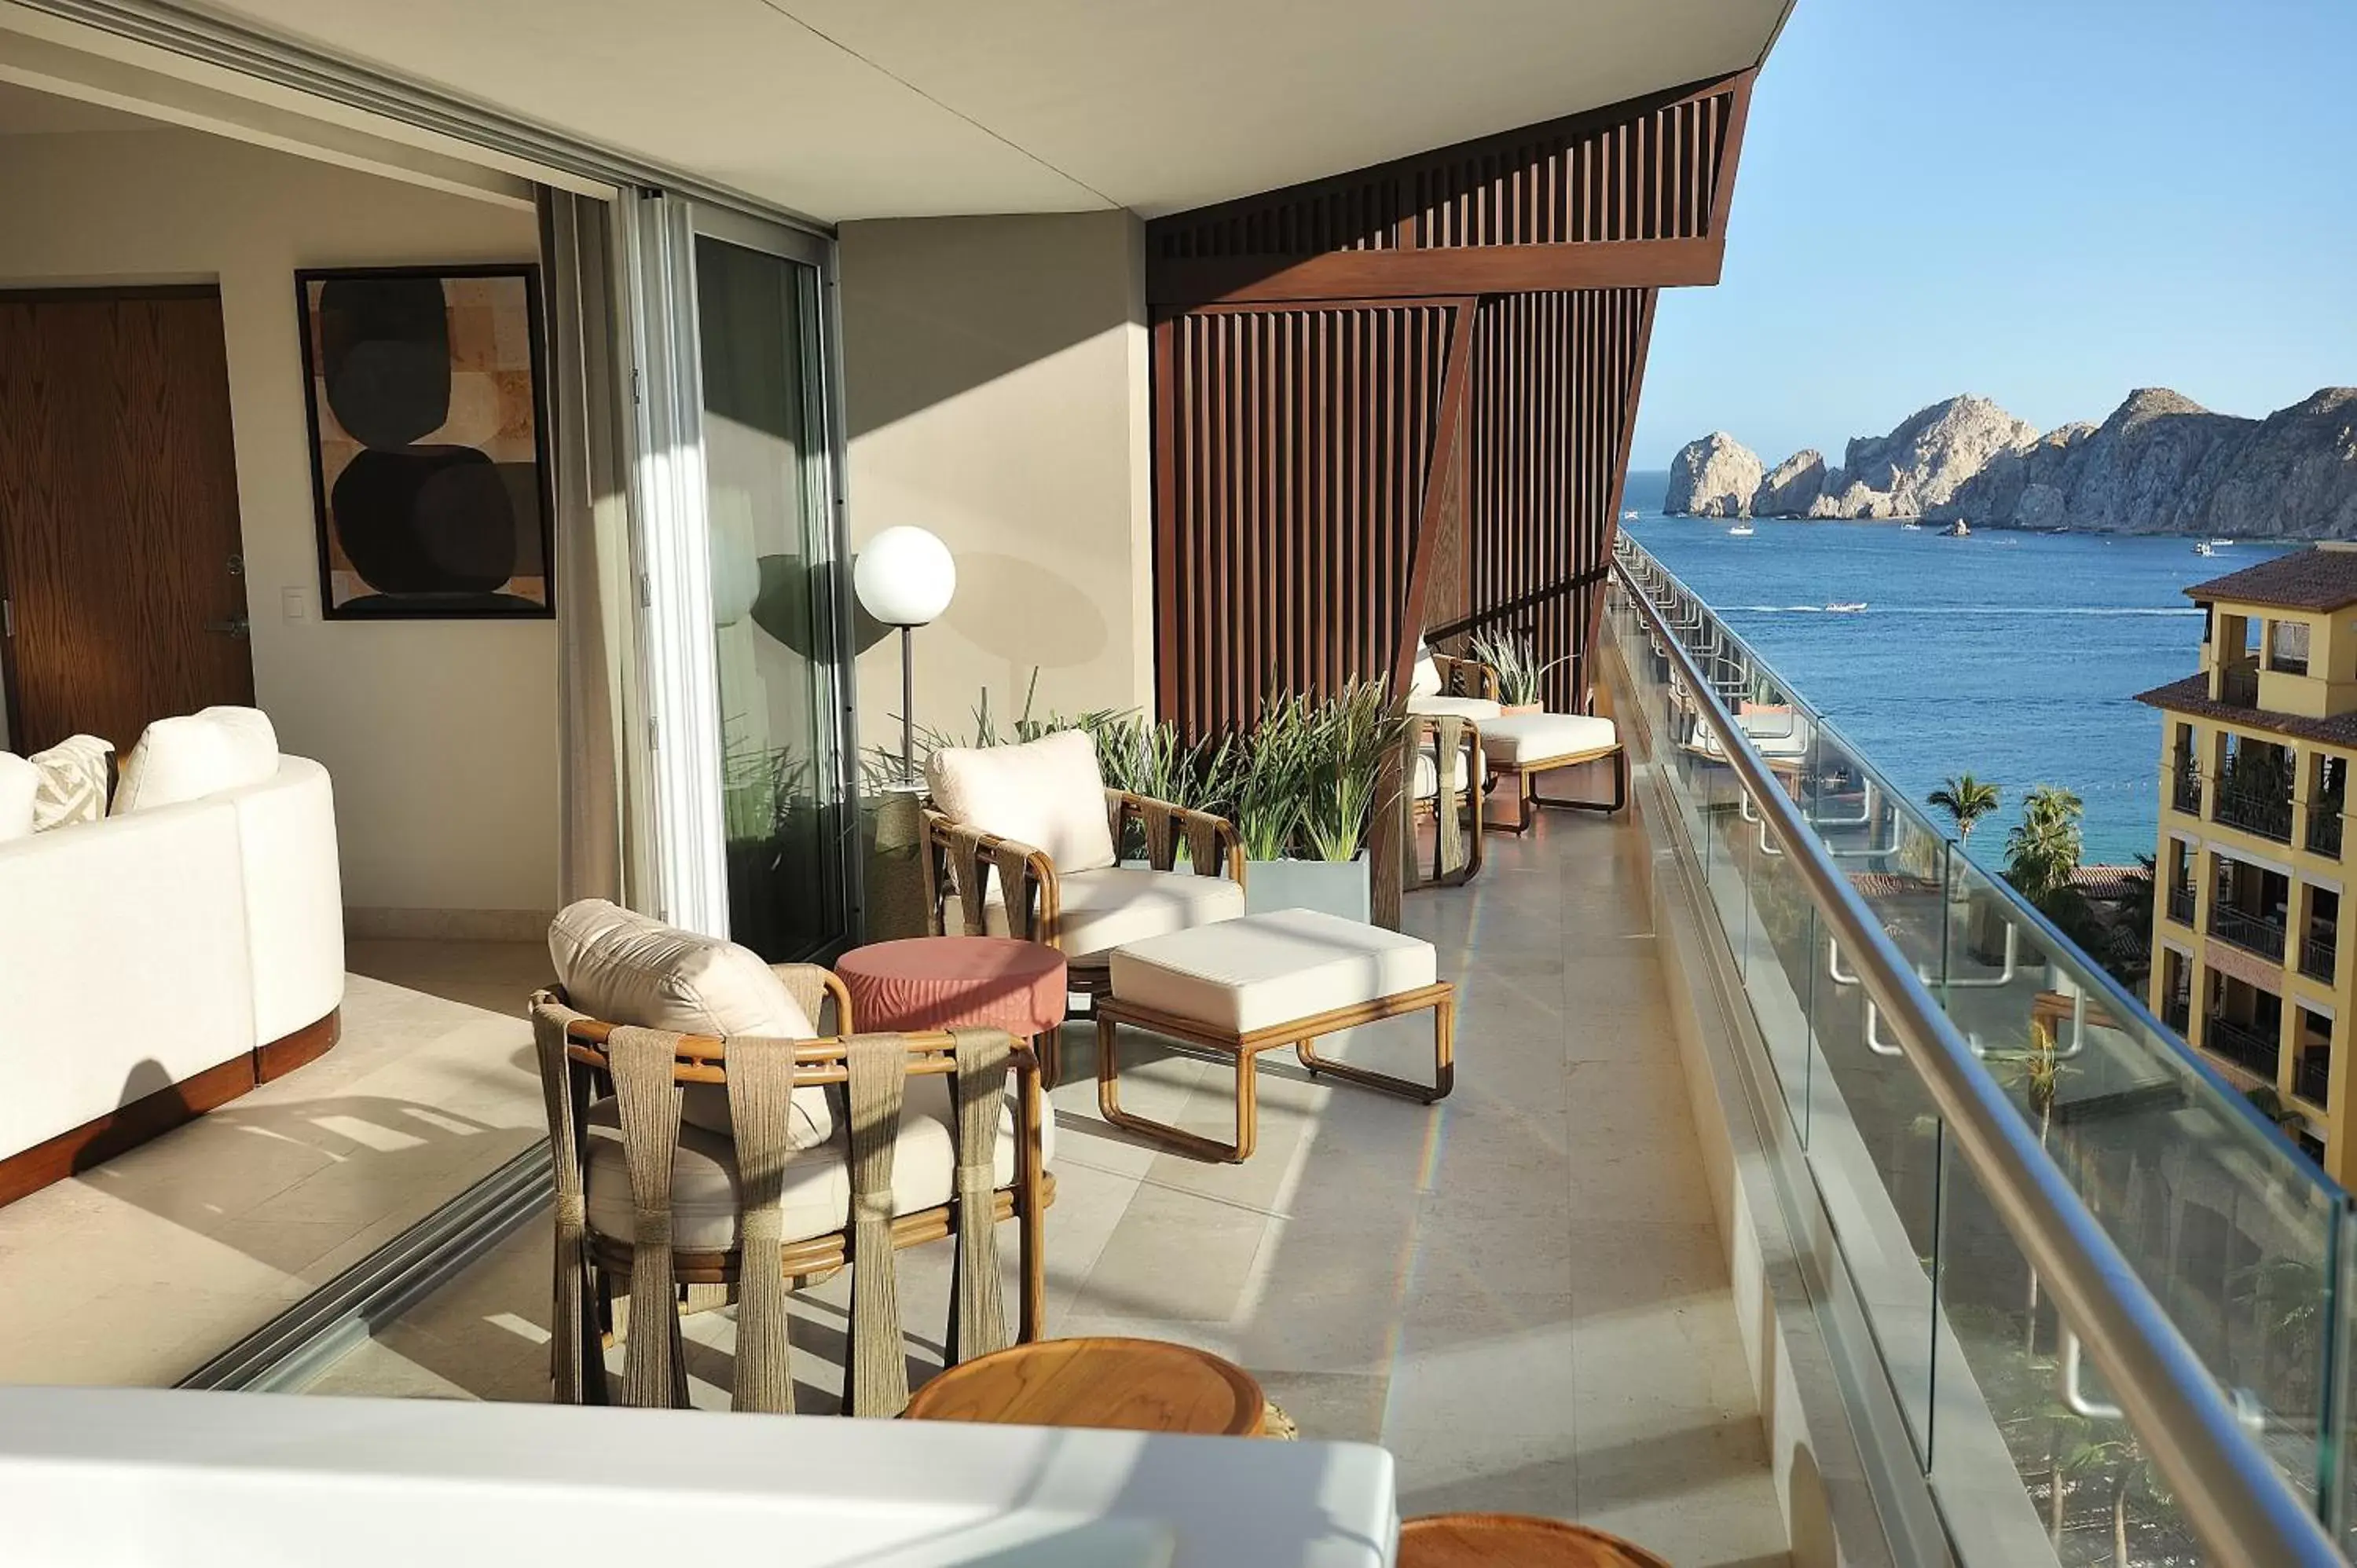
(1520, 1291)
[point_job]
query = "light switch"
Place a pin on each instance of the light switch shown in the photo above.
(293, 603)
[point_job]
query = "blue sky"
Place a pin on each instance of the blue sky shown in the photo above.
(2045, 203)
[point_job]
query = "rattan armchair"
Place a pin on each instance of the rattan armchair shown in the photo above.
(650, 1208)
(1003, 887)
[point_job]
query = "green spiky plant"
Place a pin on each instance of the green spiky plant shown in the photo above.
(1353, 736)
(1521, 675)
(1273, 783)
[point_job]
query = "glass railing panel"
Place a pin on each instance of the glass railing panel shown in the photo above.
(2029, 1468)
(1779, 971)
(2231, 1228)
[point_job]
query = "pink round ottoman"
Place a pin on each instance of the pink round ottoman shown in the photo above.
(941, 983)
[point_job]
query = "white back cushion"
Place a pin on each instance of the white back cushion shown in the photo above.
(628, 968)
(1048, 794)
(201, 754)
(19, 782)
(1424, 680)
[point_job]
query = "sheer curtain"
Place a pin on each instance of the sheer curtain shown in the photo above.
(604, 836)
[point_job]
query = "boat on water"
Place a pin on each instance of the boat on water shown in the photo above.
(1956, 530)
(2205, 547)
(2222, 544)
(1846, 607)
(1629, 516)
(1911, 527)
(1741, 531)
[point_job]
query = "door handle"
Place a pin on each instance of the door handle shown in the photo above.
(236, 626)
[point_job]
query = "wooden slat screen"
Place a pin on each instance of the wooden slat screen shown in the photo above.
(1650, 176)
(1287, 516)
(1301, 537)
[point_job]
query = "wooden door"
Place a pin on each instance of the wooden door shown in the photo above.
(119, 543)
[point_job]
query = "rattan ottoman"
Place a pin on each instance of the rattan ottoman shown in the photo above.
(1262, 983)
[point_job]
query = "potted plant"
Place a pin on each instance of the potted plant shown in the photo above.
(1306, 795)
(1520, 677)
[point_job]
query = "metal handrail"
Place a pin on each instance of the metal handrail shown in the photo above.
(2233, 1496)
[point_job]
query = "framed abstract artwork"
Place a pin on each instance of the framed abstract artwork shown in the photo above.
(429, 463)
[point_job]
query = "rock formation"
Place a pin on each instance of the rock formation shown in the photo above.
(2163, 464)
(1791, 487)
(2160, 464)
(1714, 476)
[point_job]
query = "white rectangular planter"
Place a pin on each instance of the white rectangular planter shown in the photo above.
(1340, 887)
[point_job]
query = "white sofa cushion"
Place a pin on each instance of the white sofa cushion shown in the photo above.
(1526, 738)
(1103, 908)
(622, 967)
(75, 774)
(197, 754)
(1480, 710)
(20, 785)
(1266, 970)
(818, 1182)
(1048, 793)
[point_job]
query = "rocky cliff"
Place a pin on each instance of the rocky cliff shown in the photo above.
(2160, 464)
(1792, 485)
(1714, 476)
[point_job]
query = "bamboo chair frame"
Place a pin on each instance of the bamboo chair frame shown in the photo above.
(702, 1059)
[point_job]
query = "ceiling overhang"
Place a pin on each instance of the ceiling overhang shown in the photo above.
(846, 108)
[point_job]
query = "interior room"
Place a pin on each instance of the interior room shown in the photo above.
(391, 911)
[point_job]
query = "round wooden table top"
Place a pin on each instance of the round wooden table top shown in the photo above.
(1513, 1540)
(1136, 1385)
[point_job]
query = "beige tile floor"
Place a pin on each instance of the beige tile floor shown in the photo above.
(139, 1271)
(1521, 1291)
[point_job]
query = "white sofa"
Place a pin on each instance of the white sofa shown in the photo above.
(163, 947)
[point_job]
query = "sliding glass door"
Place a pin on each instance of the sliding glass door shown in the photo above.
(748, 663)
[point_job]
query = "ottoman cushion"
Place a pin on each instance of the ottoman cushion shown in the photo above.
(1525, 738)
(1250, 974)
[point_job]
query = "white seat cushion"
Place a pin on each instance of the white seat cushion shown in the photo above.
(1480, 710)
(1528, 738)
(1105, 909)
(1428, 772)
(626, 968)
(20, 782)
(197, 754)
(1048, 793)
(1424, 677)
(818, 1181)
(1266, 970)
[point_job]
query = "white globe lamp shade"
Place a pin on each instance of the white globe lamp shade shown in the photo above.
(905, 577)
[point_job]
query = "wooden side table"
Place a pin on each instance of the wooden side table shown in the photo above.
(1513, 1540)
(1133, 1385)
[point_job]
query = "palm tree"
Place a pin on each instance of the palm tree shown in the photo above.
(2041, 853)
(1966, 799)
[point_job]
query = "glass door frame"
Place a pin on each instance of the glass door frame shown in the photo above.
(655, 235)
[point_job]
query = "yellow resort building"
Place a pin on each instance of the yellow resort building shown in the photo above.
(2255, 750)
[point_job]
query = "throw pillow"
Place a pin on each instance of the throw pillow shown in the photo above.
(1047, 793)
(19, 782)
(199, 754)
(628, 968)
(75, 774)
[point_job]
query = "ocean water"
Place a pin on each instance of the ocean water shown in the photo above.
(2014, 656)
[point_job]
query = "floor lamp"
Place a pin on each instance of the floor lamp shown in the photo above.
(904, 578)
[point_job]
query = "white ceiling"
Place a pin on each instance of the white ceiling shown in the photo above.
(25, 112)
(845, 109)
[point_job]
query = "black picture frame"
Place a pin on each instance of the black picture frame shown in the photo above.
(434, 605)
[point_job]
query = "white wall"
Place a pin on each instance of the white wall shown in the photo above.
(441, 734)
(996, 371)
